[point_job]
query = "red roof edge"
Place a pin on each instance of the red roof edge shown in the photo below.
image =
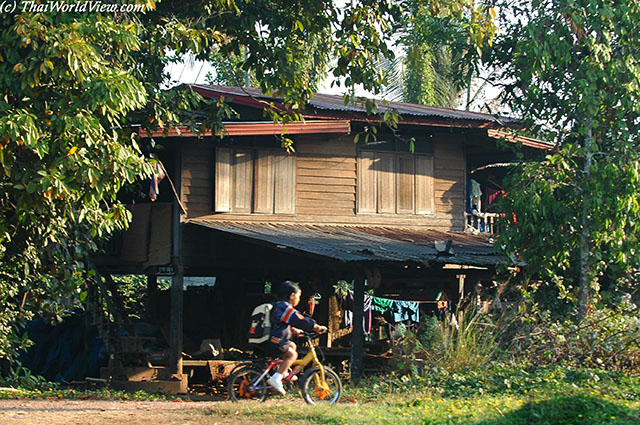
(526, 141)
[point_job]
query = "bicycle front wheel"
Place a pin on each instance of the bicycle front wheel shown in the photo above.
(315, 391)
(241, 385)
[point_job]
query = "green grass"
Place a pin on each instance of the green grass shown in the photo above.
(53, 392)
(498, 395)
(558, 409)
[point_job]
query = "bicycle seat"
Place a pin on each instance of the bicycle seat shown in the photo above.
(260, 354)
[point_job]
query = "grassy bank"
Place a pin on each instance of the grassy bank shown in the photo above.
(498, 395)
(539, 409)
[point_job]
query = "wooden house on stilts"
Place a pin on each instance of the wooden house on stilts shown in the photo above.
(380, 214)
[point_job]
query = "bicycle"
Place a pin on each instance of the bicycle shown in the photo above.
(318, 384)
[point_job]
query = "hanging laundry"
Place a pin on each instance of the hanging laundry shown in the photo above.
(347, 305)
(475, 195)
(157, 177)
(367, 319)
(492, 196)
(382, 305)
(406, 311)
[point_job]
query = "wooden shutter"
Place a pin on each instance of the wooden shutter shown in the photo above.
(366, 186)
(405, 184)
(425, 193)
(386, 176)
(285, 184)
(265, 182)
(242, 180)
(223, 180)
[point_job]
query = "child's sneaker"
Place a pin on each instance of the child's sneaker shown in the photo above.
(293, 378)
(277, 385)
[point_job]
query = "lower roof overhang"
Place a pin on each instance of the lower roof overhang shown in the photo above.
(258, 128)
(365, 244)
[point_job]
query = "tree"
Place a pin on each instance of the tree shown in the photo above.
(65, 82)
(229, 67)
(442, 43)
(228, 71)
(571, 70)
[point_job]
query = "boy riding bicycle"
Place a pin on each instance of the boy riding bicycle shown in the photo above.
(286, 321)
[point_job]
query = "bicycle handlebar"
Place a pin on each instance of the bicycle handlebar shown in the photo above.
(311, 334)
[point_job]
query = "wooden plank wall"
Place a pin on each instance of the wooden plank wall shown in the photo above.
(326, 182)
(197, 176)
(325, 175)
(325, 179)
(450, 179)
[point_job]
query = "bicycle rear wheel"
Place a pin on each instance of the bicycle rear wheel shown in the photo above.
(314, 391)
(241, 382)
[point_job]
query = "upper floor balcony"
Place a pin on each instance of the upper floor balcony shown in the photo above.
(482, 222)
(482, 214)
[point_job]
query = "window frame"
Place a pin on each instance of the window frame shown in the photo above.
(381, 186)
(241, 189)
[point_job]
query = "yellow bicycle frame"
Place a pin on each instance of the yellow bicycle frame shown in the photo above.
(311, 357)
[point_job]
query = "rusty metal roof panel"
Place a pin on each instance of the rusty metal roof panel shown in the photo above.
(336, 103)
(232, 90)
(364, 243)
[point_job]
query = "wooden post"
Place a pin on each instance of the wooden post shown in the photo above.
(323, 311)
(177, 283)
(151, 307)
(357, 336)
(175, 321)
(461, 278)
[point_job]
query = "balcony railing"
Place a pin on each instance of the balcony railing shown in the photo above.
(482, 222)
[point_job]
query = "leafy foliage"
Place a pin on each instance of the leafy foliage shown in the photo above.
(229, 71)
(442, 46)
(500, 393)
(571, 69)
(64, 84)
(20, 376)
(607, 338)
(462, 342)
(132, 290)
(229, 67)
(53, 391)
(505, 378)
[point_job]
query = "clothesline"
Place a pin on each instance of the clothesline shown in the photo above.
(410, 301)
(401, 310)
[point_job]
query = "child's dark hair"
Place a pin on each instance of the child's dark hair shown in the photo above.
(287, 288)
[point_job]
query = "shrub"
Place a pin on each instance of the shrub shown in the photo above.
(462, 341)
(608, 338)
(21, 377)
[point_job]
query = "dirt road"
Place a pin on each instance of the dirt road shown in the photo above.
(97, 412)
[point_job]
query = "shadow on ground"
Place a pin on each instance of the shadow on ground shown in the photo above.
(576, 410)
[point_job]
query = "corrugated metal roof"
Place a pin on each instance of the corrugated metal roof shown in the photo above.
(336, 103)
(364, 243)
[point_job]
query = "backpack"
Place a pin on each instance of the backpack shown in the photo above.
(260, 328)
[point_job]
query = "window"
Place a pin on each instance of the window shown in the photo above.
(395, 183)
(255, 181)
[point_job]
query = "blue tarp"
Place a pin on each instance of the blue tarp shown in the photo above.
(66, 352)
